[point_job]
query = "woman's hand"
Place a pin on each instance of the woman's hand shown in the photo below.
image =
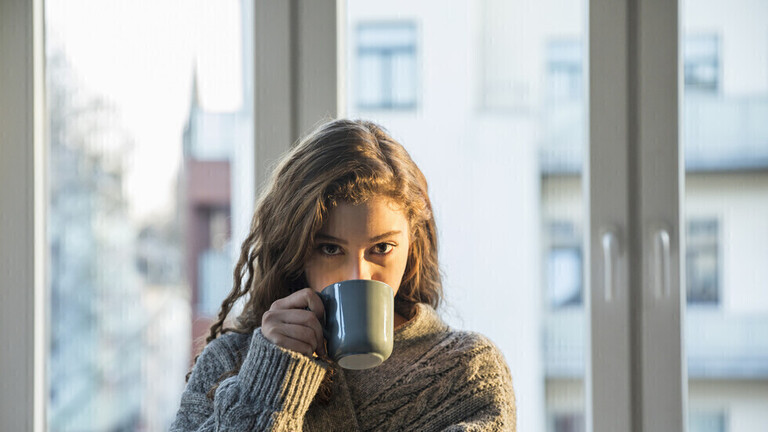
(293, 322)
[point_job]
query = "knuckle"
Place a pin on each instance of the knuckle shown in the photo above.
(309, 318)
(269, 331)
(307, 294)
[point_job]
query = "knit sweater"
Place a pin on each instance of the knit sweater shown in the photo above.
(437, 379)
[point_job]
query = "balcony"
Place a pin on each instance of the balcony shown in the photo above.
(720, 134)
(718, 345)
(564, 343)
(722, 345)
(725, 133)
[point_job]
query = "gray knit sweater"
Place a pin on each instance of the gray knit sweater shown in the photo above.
(437, 379)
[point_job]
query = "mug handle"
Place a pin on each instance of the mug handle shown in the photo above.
(327, 300)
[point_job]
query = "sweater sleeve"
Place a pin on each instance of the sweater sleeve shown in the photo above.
(271, 392)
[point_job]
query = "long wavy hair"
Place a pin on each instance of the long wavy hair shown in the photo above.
(342, 160)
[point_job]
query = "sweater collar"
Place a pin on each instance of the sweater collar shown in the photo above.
(424, 323)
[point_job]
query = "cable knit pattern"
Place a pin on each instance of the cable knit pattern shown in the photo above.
(437, 379)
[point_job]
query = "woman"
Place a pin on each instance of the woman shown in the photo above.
(347, 202)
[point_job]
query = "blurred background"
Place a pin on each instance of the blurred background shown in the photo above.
(150, 125)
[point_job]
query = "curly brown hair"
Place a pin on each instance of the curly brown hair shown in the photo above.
(342, 160)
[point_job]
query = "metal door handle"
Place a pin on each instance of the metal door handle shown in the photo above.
(661, 253)
(609, 242)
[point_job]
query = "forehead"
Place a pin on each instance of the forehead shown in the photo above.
(372, 217)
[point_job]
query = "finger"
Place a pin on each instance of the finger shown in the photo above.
(289, 335)
(317, 329)
(298, 345)
(290, 316)
(299, 317)
(306, 298)
(300, 333)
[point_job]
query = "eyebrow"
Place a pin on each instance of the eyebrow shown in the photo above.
(327, 237)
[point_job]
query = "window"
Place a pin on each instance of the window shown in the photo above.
(386, 66)
(564, 266)
(702, 263)
(139, 211)
(564, 70)
(214, 264)
(567, 422)
(621, 155)
(707, 421)
(701, 54)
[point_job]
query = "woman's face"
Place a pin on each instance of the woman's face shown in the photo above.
(364, 241)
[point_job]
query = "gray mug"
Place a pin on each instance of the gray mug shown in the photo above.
(359, 321)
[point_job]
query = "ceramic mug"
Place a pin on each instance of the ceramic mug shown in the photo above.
(359, 322)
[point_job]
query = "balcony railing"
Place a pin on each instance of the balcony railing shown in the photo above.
(720, 134)
(718, 345)
(723, 345)
(564, 343)
(725, 133)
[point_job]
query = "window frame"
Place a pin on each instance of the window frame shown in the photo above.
(634, 85)
(634, 278)
(22, 218)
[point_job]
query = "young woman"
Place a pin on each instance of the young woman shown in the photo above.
(347, 202)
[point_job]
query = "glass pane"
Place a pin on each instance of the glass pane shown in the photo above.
(725, 138)
(495, 118)
(386, 57)
(148, 110)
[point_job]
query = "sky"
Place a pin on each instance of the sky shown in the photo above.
(140, 56)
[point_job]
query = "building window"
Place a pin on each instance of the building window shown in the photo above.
(701, 55)
(564, 71)
(702, 263)
(564, 264)
(567, 422)
(214, 263)
(386, 66)
(707, 421)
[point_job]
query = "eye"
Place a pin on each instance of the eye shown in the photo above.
(383, 248)
(329, 249)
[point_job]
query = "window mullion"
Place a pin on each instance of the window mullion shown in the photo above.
(295, 74)
(609, 379)
(658, 189)
(22, 213)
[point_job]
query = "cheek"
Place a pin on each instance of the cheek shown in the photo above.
(316, 272)
(396, 271)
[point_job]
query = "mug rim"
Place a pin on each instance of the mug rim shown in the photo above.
(375, 282)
